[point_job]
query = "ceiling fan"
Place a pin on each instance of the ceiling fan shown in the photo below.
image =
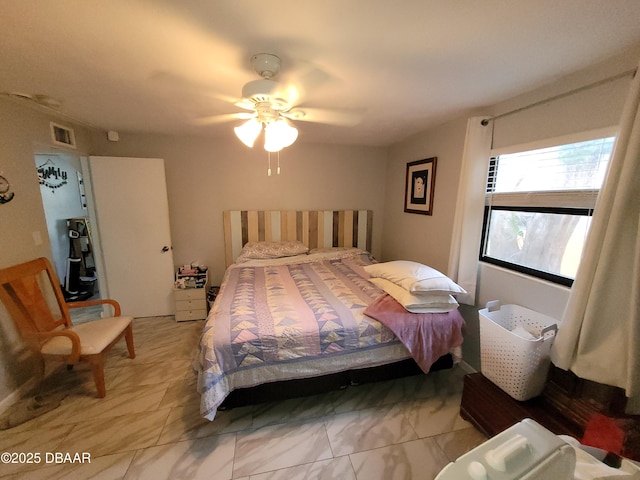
(272, 106)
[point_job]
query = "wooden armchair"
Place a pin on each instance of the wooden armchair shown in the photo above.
(32, 295)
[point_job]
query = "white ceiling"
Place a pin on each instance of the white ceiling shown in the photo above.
(158, 65)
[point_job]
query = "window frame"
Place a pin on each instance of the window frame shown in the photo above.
(551, 277)
(569, 201)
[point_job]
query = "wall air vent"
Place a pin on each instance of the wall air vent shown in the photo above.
(61, 135)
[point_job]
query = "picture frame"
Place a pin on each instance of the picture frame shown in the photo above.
(419, 186)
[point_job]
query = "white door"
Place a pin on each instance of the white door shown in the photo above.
(132, 216)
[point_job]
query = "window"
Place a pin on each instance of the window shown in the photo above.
(539, 204)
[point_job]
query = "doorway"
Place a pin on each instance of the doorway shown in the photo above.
(68, 225)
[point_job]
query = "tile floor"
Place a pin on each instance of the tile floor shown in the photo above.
(149, 426)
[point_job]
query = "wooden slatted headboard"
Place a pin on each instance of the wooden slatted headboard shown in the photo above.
(315, 228)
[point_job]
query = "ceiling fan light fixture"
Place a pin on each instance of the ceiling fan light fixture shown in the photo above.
(248, 132)
(279, 134)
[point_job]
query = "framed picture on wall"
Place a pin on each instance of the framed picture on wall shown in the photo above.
(420, 182)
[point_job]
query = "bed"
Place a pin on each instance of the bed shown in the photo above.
(293, 316)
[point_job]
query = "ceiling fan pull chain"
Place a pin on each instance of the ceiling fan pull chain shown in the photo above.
(278, 171)
(269, 159)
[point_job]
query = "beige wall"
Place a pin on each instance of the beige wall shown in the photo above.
(586, 109)
(207, 176)
(424, 238)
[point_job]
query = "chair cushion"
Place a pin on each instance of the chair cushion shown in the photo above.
(94, 336)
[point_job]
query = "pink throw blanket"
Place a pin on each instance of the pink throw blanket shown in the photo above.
(427, 336)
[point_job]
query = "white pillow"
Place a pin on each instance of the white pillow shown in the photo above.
(415, 277)
(416, 303)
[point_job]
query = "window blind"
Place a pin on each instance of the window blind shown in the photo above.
(566, 176)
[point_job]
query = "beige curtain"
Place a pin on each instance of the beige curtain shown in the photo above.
(467, 224)
(599, 336)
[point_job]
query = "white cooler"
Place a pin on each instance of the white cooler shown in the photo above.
(525, 450)
(528, 451)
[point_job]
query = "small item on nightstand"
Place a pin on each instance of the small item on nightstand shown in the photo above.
(187, 270)
(192, 276)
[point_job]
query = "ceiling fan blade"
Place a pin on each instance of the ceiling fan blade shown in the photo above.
(301, 81)
(188, 88)
(225, 117)
(344, 118)
(289, 92)
(245, 104)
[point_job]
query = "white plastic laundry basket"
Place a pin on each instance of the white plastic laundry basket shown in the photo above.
(516, 364)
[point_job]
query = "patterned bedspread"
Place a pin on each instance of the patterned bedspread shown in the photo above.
(291, 318)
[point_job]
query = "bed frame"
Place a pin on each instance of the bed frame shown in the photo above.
(283, 390)
(316, 229)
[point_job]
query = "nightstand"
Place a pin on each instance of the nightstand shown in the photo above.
(191, 303)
